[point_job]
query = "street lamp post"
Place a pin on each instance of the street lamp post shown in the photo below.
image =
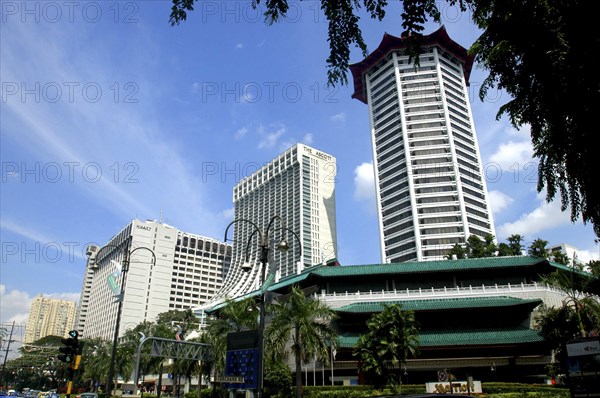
(120, 298)
(264, 238)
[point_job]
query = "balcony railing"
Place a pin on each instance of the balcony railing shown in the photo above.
(550, 295)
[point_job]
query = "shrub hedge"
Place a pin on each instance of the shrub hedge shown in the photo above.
(490, 390)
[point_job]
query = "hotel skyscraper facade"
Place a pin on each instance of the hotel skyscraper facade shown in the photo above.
(299, 186)
(189, 269)
(431, 191)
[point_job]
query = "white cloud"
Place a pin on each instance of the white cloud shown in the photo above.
(338, 118)
(364, 183)
(239, 45)
(513, 155)
(241, 133)
(499, 201)
(228, 213)
(545, 216)
(585, 256)
(64, 296)
(308, 139)
(14, 305)
(269, 139)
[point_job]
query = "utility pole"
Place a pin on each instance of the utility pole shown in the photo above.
(10, 340)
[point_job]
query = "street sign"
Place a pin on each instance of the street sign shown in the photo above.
(230, 379)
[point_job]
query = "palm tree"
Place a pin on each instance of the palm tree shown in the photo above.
(559, 257)
(575, 284)
(393, 336)
(557, 325)
(537, 248)
(457, 250)
(234, 317)
(504, 250)
(306, 324)
(515, 244)
(96, 360)
(475, 247)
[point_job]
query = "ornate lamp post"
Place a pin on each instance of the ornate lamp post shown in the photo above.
(264, 237)
(125, 268)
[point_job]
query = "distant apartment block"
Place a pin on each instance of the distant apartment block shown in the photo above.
(49, 317)
(189, 270)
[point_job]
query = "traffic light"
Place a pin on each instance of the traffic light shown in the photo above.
(70, 349)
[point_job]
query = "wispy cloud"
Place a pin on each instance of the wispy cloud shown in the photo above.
(240, 133)
(269, 137)
(308, 139)
(23, 231)
(338, 118)
(228, 213)
(110, 133)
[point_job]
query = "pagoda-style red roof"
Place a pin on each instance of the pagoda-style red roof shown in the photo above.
(390, 43)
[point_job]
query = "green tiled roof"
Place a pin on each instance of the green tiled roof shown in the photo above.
(464, 338)
(430, 266)
(488, 263)
(413, 267)
(439, 304)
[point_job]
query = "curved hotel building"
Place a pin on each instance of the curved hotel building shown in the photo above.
(299, 187)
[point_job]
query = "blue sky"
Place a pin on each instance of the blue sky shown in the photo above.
(109, 114)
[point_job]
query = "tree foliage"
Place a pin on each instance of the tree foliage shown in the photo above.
(37, 367)
(476, 248)
(392, 337)
(537, 248)
(540, 52)
(304, 325)
(576, 284)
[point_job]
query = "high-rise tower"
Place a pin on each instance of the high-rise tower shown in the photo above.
(49, 317)
(299, 186)
(431, 193)
(189, 269)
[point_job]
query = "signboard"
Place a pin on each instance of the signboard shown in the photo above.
(591, 347)
(242, 364)
(456, 387)
(229, 379)
(584, 367)
(241, 340)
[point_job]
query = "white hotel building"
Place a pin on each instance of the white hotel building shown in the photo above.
(431, 192)
(299, 186)
(189, 270)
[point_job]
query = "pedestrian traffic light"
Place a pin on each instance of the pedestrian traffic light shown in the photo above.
(70, 349)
